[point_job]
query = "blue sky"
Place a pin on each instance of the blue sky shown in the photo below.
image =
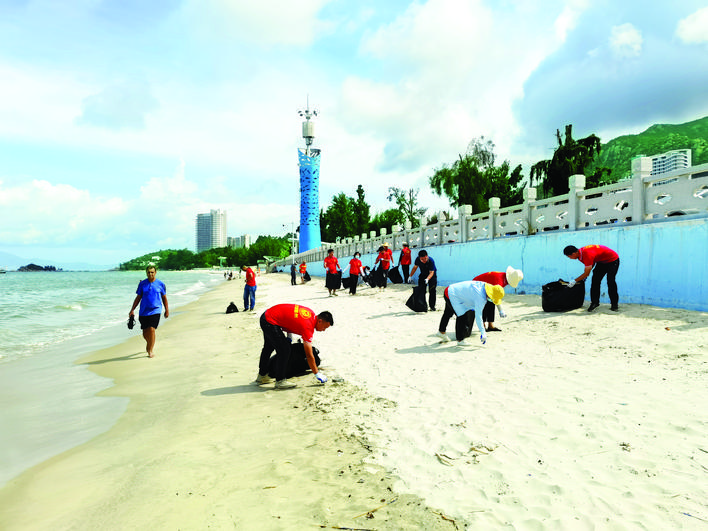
(121, 120)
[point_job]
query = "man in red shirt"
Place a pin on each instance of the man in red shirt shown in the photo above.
(333, 277)
(510, 277)
(249, 290)
(606, 262)
(405, 261)
(385, 257)
(282, 319)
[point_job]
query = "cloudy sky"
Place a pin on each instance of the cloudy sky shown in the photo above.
(120, 120)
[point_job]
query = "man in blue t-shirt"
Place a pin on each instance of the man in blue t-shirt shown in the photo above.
(152, 296)
(428, 276)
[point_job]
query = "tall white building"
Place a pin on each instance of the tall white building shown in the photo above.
(210, 230)
(656, 165)
(240, 241)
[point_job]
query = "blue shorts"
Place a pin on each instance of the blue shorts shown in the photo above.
(149, 321)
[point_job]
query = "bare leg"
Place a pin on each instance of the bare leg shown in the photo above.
(149, 335)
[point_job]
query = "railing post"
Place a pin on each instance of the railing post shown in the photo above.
(494, 204)
(529, 197)
(576, 183)
(639, 192)
(463, 211)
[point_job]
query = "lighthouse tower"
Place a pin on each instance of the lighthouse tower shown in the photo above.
(309, 162)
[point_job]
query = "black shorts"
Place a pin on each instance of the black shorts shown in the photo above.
(149, 321)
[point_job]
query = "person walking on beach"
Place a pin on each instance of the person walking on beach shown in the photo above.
(385, 257)
(282, 319)
(249, 290)
(293, 274)
(354, 272)
(510, 277)
(428, 276)
(404, 260)
(333, 277)
(462, 297)
(605, 262)
(152, 296)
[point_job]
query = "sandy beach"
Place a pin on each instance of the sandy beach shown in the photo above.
(561, 421)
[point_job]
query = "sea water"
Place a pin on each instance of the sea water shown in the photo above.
(47, 321)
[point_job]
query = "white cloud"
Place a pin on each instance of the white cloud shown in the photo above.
(694, 28)
(625, 41)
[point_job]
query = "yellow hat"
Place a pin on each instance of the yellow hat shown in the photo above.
(496, 293)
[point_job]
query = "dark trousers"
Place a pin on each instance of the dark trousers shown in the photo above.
(292, 278)
(405, 268)
(432, 294)
(448, 312)
(488, 312)
(274, 339)
(353, 281)
(601, 269)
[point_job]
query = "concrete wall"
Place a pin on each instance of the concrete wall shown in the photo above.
(662, 264)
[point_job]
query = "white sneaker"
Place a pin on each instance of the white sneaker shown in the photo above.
(443, 337)
(263, 379)
(284, 384)
(462, 343)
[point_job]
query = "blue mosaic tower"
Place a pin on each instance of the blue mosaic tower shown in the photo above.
(309, 162)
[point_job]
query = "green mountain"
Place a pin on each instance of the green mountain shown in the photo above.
(618, 153)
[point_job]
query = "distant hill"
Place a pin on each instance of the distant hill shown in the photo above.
(618, 153)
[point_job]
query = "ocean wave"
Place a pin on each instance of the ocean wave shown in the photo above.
(72, 307)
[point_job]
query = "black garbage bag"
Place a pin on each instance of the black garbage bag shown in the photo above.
(297, 363)
(394, 275)
(416, 301)
(558, 297)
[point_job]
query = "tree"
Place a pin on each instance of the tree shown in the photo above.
(473, 179)
(339, 219)
(407, 202)
(571, 157)
(386, 220)
(362, 212)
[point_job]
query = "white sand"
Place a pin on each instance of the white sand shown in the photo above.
(561, 421)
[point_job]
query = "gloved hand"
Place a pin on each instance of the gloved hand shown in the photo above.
(483, 338)
(571, 283)
(426, 281)
(321, 377)
(502, 313)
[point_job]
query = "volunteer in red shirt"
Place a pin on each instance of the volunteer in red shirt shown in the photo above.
(333, 278)
(405, 261)
(249, 290)
(605, 261)
(354, 272)
(510, 277)
(282, 319)
(385, 257)
(303, 270)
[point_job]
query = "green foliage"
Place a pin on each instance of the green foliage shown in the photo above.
(386, 219)
(407, 202)
(345, 217)
(618, 153)
(173, 260)
(473, 179)
(571, 157)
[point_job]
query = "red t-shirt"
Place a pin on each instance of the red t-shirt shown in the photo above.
(331, 263)
(385, 256)
(303, 268)
(293, 318)
(405, 256)
(495, 278)
(592, 254)
(354, 266)
(250, 277)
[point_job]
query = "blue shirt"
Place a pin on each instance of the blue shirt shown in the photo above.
(466, 296)
(151, 293)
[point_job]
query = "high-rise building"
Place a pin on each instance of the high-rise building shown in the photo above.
(239, 241)
(657, 164)
(210, 230)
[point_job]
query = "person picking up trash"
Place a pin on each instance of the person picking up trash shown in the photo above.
(462, 297)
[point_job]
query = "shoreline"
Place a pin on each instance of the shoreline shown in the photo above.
(562, 420)
(216, 450)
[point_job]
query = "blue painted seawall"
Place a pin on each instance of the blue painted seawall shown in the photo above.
(661, 264)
